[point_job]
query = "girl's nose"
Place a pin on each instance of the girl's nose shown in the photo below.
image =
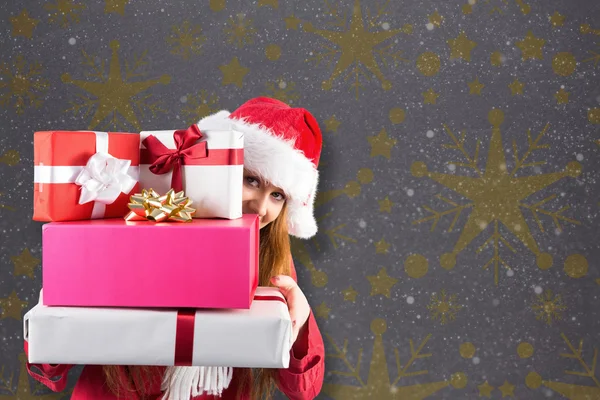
(258, 205)
(261, 206)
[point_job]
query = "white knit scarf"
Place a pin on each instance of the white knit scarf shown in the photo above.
(179, 383)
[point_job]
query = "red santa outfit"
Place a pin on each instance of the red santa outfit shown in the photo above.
(283, 146)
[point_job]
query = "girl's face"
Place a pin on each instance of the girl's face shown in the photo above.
(261, 198)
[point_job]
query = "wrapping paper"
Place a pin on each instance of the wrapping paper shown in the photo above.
(204, 263)
(80, 175)
(211, 169)
(259, 337)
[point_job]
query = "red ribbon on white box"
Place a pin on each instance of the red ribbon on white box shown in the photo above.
(102, 179)
(184, 339)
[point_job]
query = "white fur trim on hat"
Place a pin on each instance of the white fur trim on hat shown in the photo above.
(276, 160)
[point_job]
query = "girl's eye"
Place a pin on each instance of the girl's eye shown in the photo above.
(251, 181)
(278, 196)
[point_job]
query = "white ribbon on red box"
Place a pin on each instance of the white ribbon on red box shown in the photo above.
(102, 180)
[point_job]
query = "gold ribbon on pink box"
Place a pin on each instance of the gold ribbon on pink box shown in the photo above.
(149, 205)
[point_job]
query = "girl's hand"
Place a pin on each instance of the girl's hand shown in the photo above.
(297, 303)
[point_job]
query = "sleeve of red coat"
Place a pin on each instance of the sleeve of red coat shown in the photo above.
(304, 378)
(52, 376)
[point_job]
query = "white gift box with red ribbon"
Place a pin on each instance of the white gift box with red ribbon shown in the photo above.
(259, 337)
(206, 161)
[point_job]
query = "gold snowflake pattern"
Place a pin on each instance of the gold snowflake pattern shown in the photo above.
(240, 31)
(595, 57)
(200, 105)
(354, 46)
(186, 40)
(113, 97)
(497, 195)
(22, 84)
(64, 12)
(378, 384)
(569, 390)
(443, 307)
(548, 307)
(282, 90)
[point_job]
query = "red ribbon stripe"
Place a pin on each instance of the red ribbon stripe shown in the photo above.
(184, 336)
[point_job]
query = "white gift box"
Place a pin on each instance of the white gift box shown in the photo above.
(259, 337)
(215, 183)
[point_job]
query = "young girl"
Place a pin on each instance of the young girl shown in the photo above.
(282, 147)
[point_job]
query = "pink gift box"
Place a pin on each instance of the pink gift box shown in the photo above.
(206, 263)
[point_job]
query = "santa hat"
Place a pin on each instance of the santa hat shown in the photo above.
(283, 146)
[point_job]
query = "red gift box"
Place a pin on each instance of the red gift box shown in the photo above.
(111, 164)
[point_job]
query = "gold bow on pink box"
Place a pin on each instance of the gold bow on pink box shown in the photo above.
(149, 205)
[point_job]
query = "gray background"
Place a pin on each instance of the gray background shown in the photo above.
(481, 346)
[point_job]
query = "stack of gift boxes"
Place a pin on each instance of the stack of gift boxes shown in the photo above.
(147, 258)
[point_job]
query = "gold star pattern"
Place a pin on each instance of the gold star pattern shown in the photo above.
(485, 390)
(507, 389)
(381, 145)
(562, 96)
(64, 12)
(430, 97)
(291, 22)
(332, 124)
(557, 20)
(475, 86)
(381, 283)
(467, 9)
(357, 46)
(497, 195)
(496, 59)
(115, 94)
(270, 3)
(385, 205)
(115, 6)
(516, 87)
(25, 263)
(461, 47)
(322, 311)
(12, 306)
(436, 19)
(350, 294)
(23, 24)
(233, 73)
(382, 246)
(531, 47)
